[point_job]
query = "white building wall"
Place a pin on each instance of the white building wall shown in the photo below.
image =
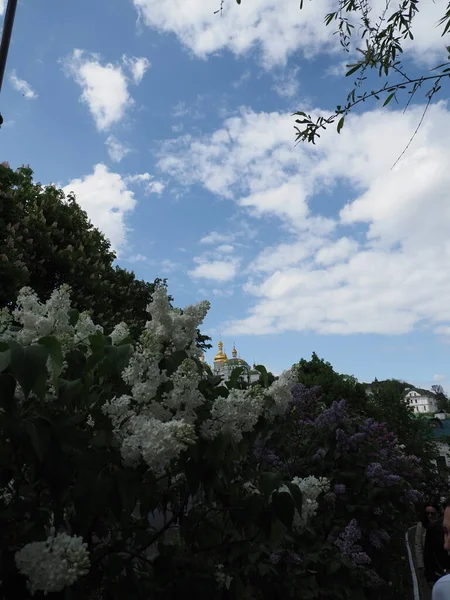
(421, 403)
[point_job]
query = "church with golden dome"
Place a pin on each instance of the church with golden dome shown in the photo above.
(223, 366)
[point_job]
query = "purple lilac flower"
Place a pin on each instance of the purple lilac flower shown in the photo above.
(380, 476)
(360, 558)
(319, 455)
(342, 440)
(330, 497)
(331, 416)
(348, 538)
(379, 537)
(347, 544)
(356, 439)
(265, 455)
(304, 400)
(413, 496)
(340, 488)
(293, 558)
(275, 558)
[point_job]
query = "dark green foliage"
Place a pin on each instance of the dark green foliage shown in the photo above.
(47, 240)
(334, 386)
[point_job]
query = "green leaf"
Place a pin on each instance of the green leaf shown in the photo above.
(70, 391)
(5, 359)
(73, 316)
(264, 375)
(268, 482)
(296, 495)
(29, 366)
(56, 355)
(97, 342)
(353, 69)
(116, 359)
(340, 124)
(234, 378)
(284, 508)
(388, 99)
(40, 436)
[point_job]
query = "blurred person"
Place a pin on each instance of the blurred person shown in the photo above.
(441, 589)
(436, 550)
(430, 514)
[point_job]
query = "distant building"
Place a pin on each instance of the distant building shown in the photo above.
(421, 401)
(224, 366)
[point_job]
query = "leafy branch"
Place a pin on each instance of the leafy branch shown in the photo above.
(312, 128)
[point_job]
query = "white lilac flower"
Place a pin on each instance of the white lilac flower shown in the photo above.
(84, 328)
(222, 579)
(185, 396)
(174, 327)
(311, 488)
(157, 443)
(50, 318)
(119, 333)
(251, 489)
(237, 413)
(52, 565)
(280, 391)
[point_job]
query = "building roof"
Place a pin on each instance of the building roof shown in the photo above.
(441, 427)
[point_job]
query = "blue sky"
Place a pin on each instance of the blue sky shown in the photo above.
(173, 127)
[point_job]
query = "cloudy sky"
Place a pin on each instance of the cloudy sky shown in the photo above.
(173, 126)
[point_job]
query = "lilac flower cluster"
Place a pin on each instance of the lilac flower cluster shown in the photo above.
(331, 416)
(289, 556)
(292, 558)
(275, 558)
(265, 455)
(304, 400)
(319, 455)
(347, 542)
(378, 538)
(381, 477)
(369, 431)
(413, 496)
(340, 488)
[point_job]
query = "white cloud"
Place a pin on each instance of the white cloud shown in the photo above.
(107, 199)
(216, 238)
(225, 249)
(276, 29)
(218, 270)
(151, 186)
(287, 84)
(168, 266)
(2, 6)
(439, 378)
(105, 86)
(137, 66)
(21, 85)
(137, 258)
(380, 265)
(116, 150)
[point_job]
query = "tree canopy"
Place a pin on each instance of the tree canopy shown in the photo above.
(47, 239)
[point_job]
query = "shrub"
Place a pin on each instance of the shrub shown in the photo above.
(127, 470)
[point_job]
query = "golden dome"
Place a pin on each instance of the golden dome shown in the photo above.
(234, 353)
(220, 356)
